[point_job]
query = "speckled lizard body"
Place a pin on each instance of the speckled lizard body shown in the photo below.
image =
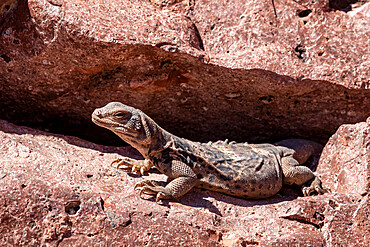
(244, 170)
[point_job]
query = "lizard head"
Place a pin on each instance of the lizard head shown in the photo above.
(129, 123)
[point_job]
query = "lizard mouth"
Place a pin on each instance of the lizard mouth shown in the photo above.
(97, 120)
(107, 123)
(102, 122)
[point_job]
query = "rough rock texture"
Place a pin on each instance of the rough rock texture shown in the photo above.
(176, 60)
(61, 191)
(301, 39)
(345, 160)
(206, 70)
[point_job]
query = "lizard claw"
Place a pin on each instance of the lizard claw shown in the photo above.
(134, 169)
(142, 170)
(159, 196)
(315, 186)
(119, 163)
(144, 183)
(151, 188)
(136, 165)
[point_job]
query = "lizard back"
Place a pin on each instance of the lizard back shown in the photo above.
(241, 169)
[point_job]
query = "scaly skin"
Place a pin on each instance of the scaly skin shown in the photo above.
(252, 171)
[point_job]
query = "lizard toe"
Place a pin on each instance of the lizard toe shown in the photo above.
(307, 191)
(158, 192)
(116, 163)
(147, 183)
(320, 190)
(120, 162)
(142, 171)
(151, 188)
(134, 169)
(146, 190)
(314, 186)
(160, 195)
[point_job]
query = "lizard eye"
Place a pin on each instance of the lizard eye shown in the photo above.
(119, 115)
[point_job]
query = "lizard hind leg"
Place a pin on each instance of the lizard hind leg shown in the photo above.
(182, 179)
(302, 176)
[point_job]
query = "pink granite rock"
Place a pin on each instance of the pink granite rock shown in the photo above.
(206, 70)
(187, 64)
(345, 161)
(61, 191)
(300, 39)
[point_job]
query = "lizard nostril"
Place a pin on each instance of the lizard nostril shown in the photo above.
(97, 114)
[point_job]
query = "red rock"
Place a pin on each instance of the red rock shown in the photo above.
(61, 191)
(205, 70)
(344, 164)
(303, 40)
(176, 60)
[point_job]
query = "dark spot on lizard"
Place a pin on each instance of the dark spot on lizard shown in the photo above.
(260, 186)
(226, 178)
(193, 157)
(238, 186)
(242, 180)
(199, 176)
(245, 191)
(253, 189)
(210, 168)
(260, 165)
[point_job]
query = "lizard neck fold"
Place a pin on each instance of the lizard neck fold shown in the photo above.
(151, 139)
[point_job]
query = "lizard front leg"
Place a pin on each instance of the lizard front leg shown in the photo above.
(135, 165)
(183, 179)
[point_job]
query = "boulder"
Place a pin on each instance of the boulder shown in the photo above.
(345, 161)
(205, 70)
(58, 190)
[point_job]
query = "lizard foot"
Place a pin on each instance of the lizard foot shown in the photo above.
(135, 165)
(152, 188)
(314, 186)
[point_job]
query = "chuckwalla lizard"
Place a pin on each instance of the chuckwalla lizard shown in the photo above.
(244, 170)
